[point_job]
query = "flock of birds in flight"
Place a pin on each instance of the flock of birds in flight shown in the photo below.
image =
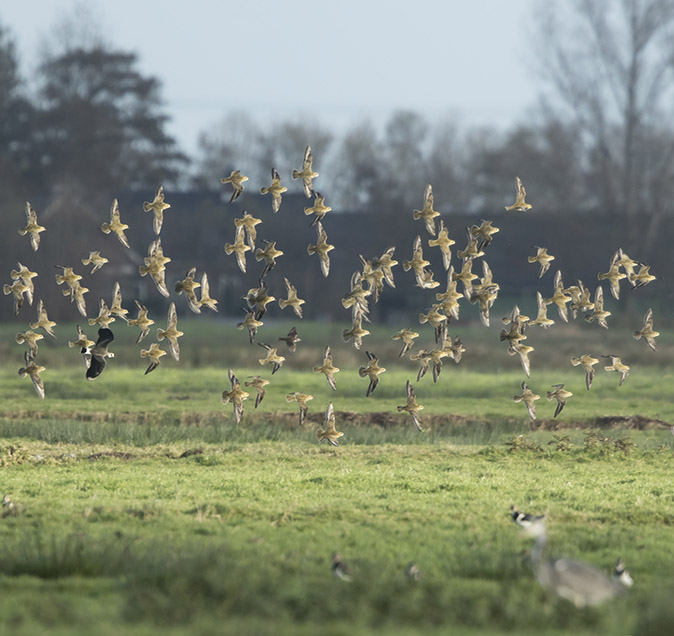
(578, 582)
(367, 283)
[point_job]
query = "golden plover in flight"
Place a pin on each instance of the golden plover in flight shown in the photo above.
(520, 204)
(587, 362)
(528, 397)
(329, 433)
(32, 227)
(171, 332)
(33, 370)
(115, 225)
(307, 173)
(157, 205)
(275, 189)
(237, 180)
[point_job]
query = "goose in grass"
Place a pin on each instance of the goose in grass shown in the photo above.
(248, 223)
(26, 276)
(104, 318)
(239, 247)
(275, 189)
(614, 276)
(542, 258)
(642, 277)
(269, 254)
(520, 204)
(258, 383)
(407, 336)
(43, 321)
(372, 371)
(427, 213)
(95, 260)
(32, 227)
(306, 174)
(646, 332)
(318, 209)
(618, 366)
(142, 321)
(237, 180)
(327, 368)
(528, 397)
(17, 289)
(329, 432)
(153, 354)
(205, 299)
(523, 351)
(171, 332)
(581, 583)
(272, 357)
(322, 248)
(598, 312)
(236, 395)
(302, 400)
(587, 362)
(157, 206)
(115, 225)
(411, 406)
(116, 308)
(291, 339)
(187, 286)
(340, 569)
(97, 356)
(29, 338)
(484, 233)
(530, 523)
(561, 395)
(251, 323)
(33, 370)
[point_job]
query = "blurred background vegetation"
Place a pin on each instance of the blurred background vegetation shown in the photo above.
(596, 156)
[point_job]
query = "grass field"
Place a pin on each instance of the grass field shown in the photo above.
(141, 508)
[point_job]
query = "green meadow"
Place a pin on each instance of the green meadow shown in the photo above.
(142, 508)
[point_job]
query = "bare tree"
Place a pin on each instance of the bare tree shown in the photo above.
(609, 67)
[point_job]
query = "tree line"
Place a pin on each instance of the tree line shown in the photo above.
(90, 126)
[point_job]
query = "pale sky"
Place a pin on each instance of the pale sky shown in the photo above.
(335, 62)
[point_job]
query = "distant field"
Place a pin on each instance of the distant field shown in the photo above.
(142, 508)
